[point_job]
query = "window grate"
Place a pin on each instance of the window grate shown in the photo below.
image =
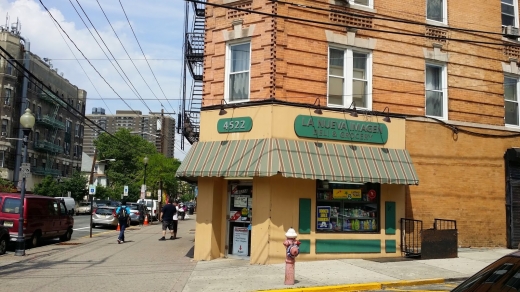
(233, 14)
(351, 20)
(512, 51)
(436, 34)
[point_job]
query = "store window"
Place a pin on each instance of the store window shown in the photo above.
(347, 208)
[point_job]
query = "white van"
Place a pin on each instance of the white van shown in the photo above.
(70, 203)
(151, 204)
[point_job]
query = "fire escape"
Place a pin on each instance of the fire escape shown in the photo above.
(189, 117)
(48, 145)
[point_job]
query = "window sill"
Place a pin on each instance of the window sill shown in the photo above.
(436, 23)
(353, 6)
(510, 40)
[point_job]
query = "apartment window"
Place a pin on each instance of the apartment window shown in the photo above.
(39, 112)
(368, 3)
(511, 101)
(76, 130)
(35, 162)
(37, 137)
(436, 91)
(5, 123)
(9, 69)
(238, 68)
(7, 100)
(437, 10)
(350, 78)
(68, 126)
(509, 12)
(2, 158)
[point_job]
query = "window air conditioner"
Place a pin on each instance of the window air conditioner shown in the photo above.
(4, 134)
(510, 31)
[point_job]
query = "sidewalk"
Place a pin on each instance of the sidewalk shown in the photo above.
(146, 264)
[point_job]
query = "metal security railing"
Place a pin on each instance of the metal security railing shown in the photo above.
(411, 236)
(443, 224)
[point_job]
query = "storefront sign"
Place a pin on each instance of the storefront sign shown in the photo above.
(347, 194)
(231, 125)
(240, 201)
(323, 218)
(240, 241)
(340, 129)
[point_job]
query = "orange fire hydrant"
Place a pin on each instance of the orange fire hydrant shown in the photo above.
(292, 251)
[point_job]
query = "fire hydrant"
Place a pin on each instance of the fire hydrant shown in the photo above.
(292, 251)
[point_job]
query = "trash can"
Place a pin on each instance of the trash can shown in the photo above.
(191, 209)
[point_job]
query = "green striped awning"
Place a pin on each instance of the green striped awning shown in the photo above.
(298, 159)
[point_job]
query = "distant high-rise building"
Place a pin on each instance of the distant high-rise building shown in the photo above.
(147, 126)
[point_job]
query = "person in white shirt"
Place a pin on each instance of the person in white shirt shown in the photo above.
(175, 220)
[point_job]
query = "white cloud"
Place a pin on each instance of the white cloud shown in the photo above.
(158, 27)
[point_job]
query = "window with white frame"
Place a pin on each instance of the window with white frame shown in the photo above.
(436, 91)
(8, 93)
(350, 78)
(437, 10)
(509, 12)
(238, 69)
(511, 100)
(368, 3)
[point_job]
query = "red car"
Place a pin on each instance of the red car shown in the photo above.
(44, 217)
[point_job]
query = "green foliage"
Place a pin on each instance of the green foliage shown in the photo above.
(49, 187)
(128, 169)
(7, 186)
(77, 185)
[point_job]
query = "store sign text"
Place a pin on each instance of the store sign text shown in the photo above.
(339, 129)
(231, 125)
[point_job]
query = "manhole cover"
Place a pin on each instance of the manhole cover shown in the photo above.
(68, 243)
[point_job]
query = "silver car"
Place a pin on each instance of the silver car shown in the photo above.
(134, 214)
(84, 207)
(105, 216)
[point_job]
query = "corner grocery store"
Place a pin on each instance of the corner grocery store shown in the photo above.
(340, 181)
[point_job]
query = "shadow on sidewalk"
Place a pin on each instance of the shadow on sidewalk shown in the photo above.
(190, 252)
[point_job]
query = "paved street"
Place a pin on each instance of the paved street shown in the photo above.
(82, 264)
(82, 227)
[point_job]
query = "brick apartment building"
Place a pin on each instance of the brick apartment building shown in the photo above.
(438, 80)
(56, 142)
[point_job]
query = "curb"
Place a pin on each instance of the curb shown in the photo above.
(364, 286)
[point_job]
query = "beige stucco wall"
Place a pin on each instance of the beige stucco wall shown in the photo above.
(277, 121)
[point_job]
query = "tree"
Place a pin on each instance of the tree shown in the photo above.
(7, 186)
(48, 187)
(76, 185)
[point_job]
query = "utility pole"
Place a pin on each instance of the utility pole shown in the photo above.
(163, 130)
(90, 182)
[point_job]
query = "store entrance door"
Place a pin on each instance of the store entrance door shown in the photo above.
(240, 200)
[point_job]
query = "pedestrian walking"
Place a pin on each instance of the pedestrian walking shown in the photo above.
(167, 213)
(175, 221)
(123, 216)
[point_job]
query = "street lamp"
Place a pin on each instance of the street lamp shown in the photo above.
(27, 122)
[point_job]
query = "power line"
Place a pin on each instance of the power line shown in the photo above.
(128, 20)
(88, 18)
(126, 51)
(79, 63)
(344, 26)
(50, 14)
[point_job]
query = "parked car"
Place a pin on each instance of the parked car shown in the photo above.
(70, 203)
(134, 213)
(84, 207)
(44, 217)
(104, 216)
(4, 238)
(152, 205)
(501, 275)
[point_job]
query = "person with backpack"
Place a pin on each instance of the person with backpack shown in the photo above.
(123, 216)
(167, 213)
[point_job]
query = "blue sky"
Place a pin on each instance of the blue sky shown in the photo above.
(158, 25)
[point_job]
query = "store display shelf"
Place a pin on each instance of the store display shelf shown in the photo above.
(361, 218)
(346, 201)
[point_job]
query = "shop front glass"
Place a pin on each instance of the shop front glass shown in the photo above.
(239, 218)
(347, 207)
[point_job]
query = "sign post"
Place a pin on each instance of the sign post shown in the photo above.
(125, 191)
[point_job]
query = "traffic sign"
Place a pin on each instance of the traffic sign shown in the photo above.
(125, 192)
(92, 190)
(25, 169)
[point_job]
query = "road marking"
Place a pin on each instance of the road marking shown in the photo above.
(80, 228)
